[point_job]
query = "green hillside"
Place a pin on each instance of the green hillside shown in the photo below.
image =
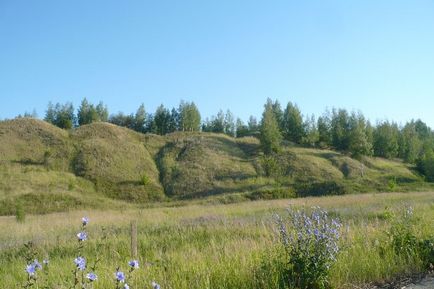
(44, 168)
(116, 160)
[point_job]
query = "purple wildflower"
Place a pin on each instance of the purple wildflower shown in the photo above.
(126, 286)
(134, 264)
(313, 241)
(37, 265)
(80, 262)
(31, 269)
(82, 236)
(120, 276)
(85, 221)
(91, 276)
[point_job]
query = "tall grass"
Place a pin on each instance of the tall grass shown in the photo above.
(214, 246)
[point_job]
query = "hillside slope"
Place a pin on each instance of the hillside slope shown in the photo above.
(116, 160)
(44, 168)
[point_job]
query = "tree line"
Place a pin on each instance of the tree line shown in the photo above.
(350, 133)
(338, 129)
(184, 118)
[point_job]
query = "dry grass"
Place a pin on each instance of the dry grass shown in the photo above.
(213, 246)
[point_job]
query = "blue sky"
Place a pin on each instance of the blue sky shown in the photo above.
(374, 56)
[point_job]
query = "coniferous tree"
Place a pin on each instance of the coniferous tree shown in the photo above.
(311, 135)
(83, 112)
(61, 115)
(324, 134)
(422, 129)
(229, 123)
(292, 124)
(65, 116)
(340, 129)
(88, 113)
(277, 109)
(270, 135)
(161, 120)
(174, 120)
(50, 114)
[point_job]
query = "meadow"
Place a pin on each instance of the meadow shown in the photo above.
(216, 246)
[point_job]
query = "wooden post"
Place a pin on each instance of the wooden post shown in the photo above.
(134, 239)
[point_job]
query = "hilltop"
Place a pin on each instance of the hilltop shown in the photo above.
(45, 168)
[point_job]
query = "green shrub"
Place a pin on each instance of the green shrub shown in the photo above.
(321, 189)
(272, 193)
(426, 252)
(406, 243)
(402, 234)
(270, 166)
(20, 214)
(145, 180)
(311, 246)
(392, 184)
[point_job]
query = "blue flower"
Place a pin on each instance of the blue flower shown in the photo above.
(82, 236)
(155, 285)
(36, 264)
(120, 276)
(126, 286)
(30, 269)
(91, 276)
(134, 264)
(85, 221)
(80, 262)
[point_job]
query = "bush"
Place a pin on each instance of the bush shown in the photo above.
(275, 165)
(405, 242)
(403, 239)
(392, 184)
(271, 193)
(20, 214)
(145, 180)
(321, 189)
(426, 252)
(270, 166)
(311, 247)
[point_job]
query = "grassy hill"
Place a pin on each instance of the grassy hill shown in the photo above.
(44, 168)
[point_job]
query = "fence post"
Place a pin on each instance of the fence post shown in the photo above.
(134, 239)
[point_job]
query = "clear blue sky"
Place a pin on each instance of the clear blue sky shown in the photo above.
(369, 55)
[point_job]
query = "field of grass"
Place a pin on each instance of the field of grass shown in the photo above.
(215, 246)
(188, 193)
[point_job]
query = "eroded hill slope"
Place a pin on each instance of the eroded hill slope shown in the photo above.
(47, 169)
